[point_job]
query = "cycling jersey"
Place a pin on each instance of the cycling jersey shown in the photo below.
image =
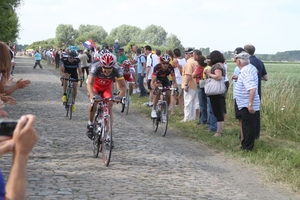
(162, 75)
(71, 67)
(128, 72)
(103, 84)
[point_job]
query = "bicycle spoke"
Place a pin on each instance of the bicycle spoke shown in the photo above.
(107, 140)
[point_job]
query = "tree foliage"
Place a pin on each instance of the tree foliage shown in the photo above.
(173, 42)
(125, 34)
(155, 35)
(9, 22)
(94, 32)
(65, 35)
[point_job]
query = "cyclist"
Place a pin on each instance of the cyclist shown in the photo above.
(129, 74)
(160, 78)
(70, 65)
(100, 81)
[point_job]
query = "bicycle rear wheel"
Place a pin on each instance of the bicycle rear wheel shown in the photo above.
(70, 103)
(127, 100)
(106, 146)
(164, 119)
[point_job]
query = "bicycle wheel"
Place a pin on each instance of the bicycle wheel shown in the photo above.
(66, 103)
(106, 146)
(96, 141)
(154, 124)
(70, 103)
(127, 96)
(164, 119)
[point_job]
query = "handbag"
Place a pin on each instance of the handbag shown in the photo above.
(214, 87)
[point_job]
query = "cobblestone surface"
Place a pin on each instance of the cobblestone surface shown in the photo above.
(143, 166)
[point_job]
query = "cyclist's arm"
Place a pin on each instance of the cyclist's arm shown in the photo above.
(62, 69)
(153, 80)
(89, 86)
(122, 86)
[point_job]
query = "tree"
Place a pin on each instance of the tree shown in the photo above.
(125, 34)
(65, 35)
(9, 22)
(155, 35)
(173, 42)
(94, 32)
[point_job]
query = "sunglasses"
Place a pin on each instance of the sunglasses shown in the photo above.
(107, 70)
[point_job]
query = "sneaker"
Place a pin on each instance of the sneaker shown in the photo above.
(153, 114)
(134, 91)
(73, 108)
(150, 104)
(64, 98)
(89, 132)
(138, 90)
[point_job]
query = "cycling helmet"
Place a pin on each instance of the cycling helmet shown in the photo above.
(107, 60)
(165, 58)
(126, 63)
(72, 54)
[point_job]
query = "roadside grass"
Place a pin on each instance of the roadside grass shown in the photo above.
(277, 152)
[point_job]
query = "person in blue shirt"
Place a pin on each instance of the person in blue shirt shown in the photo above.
(37, 58)
(117, 47)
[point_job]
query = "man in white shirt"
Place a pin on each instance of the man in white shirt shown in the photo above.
(152, 61)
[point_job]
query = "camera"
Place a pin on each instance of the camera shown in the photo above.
(7, 127)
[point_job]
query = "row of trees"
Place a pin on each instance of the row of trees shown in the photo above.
(9, 22)
(154, 35)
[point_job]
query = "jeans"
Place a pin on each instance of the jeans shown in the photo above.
(212, 119)
(203, 105)
(141, 84)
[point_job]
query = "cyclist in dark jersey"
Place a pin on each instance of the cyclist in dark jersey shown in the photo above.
(160, 78)
(70, 65)
(101, 78)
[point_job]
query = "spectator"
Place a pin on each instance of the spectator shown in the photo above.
(23, 141)
(48, 56)
(178, 64)
(37, 58)
(211, 118)
(122, 56)
(262, 75)
(57, 58)
(141, 69)
(117, 48)
(234, 78)
(247, 99)
(217, 101)
(196, 55)
(189, 87)
(152, 61)
(84, 62)
(198, 75)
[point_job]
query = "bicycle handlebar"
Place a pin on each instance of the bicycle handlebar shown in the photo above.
(72, 80)
(100, 99)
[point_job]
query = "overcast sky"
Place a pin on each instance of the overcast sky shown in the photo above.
(270, 25)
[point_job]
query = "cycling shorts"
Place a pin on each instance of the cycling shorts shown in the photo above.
(165, 83)
(104, 89)
(72, 71)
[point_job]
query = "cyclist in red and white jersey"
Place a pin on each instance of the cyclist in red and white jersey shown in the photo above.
(100, 81)
(129, 74)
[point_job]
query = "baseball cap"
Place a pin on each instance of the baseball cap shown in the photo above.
(242, 55)
(238, 50)
(189, 51)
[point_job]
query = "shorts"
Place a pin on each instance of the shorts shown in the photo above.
(238, 113)
(72, 71)
(149, 84)
(106, 91)
(165, 83)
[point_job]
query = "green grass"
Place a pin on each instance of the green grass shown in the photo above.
(277, 152)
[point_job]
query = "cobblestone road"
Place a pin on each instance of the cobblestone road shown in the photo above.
(144, 165)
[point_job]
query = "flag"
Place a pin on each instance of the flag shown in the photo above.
(89, 44)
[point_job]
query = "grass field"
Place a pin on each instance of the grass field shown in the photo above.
(277, 152)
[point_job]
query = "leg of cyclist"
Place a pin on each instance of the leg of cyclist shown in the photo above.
(156, 97)
(130, 88)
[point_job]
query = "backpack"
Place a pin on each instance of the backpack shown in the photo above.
(140, 59)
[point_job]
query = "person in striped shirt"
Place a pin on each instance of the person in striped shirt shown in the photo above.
(247, 98)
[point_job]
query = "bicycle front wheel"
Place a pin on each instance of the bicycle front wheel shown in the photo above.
(164, 118)
(70, 103)
(106, 140)
(96, 141)
(127, 101)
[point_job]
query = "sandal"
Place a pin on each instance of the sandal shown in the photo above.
(217, 134)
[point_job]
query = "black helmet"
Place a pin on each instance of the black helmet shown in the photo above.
(72, 54)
